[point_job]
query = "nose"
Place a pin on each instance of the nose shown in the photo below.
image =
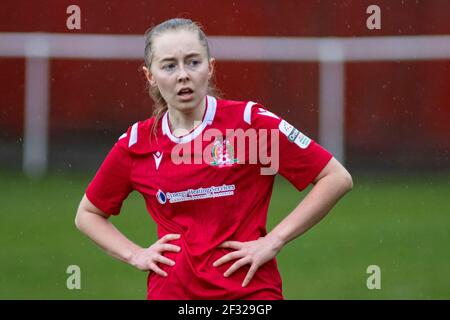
(182, 75)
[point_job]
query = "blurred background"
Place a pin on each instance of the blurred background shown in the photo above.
(378, 99)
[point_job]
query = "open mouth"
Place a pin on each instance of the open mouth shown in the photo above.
(185, 92)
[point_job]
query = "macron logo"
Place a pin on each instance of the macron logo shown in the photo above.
(158, 156)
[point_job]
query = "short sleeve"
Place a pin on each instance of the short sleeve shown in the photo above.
(300, 159)
(111, 184)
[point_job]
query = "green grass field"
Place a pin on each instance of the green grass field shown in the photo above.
(399, 224)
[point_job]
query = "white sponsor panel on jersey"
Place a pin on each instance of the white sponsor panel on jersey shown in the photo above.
(196, 194)
(294, 135)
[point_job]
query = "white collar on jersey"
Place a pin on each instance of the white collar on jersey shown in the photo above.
(211, 104)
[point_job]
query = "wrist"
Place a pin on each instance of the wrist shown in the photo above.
(276, 241)
(130, 256)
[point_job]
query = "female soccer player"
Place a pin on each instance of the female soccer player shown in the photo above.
(205, 167)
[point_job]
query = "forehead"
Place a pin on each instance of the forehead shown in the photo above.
(175, 43)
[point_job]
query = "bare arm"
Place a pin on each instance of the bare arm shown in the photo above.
(331, 184)
(95, 224)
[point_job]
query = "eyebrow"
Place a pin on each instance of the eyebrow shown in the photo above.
(190, 55)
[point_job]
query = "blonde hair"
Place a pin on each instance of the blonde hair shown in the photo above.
(160, 105)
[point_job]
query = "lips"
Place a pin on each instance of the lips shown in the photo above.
(185, 91)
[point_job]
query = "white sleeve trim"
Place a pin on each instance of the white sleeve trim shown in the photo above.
(123, 136)
(248, 112)
(134, 135)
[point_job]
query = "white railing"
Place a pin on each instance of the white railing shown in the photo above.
(331, 53)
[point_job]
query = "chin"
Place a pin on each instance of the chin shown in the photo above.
(187, 105)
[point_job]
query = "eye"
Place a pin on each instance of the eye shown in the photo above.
(169, 66)
(194, 62)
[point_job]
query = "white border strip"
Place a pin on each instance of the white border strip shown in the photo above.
(96, 46)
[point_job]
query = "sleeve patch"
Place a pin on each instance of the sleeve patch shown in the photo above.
(294, 135)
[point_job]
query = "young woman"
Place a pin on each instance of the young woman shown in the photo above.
(208, 199)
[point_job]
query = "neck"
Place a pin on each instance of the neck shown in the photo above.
(185, 121)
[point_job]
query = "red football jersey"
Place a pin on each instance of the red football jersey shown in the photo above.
(213, 194)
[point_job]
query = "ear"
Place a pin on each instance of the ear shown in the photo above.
(149, 76)
(211, 66)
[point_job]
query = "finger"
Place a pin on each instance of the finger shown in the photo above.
(236, 265)
(157, 270)
(250, 275)
(168, 247)
(232, 245)
(228, 257)
(168, 237)
(165, 260)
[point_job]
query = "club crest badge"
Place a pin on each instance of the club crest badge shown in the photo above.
(222, 153)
